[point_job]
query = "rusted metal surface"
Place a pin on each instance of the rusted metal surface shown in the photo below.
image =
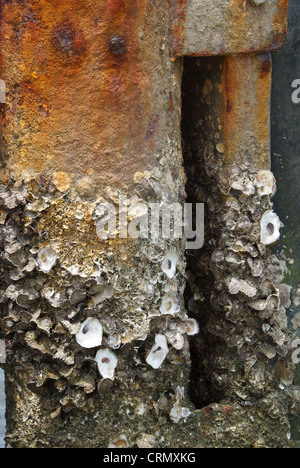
(244, 112)
(203, 27)
(81, 78)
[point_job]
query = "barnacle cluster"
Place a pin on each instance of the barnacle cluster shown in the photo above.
(73, 314)
(247, 324)
(243, 351)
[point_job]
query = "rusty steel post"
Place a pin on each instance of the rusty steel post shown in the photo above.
(93, 116)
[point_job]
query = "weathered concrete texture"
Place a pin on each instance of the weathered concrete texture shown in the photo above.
(222, 27)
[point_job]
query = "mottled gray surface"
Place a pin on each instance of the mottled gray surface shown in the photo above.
(2, 410)
(227, 27)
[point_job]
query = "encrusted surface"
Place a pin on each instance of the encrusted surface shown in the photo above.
(93, 114)
(244, 346)
(203, 27)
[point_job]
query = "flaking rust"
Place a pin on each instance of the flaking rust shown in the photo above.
(93, 114)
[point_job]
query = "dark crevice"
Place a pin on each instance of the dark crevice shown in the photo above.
(195, 124)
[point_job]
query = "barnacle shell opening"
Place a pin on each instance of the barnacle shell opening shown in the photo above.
(169, 265)
(270, 228)
(170, 304)
(46, 259)
(266, 183)
(107, 362)
(158, 353)
(90, 334)
(192, 327)
(119, 442)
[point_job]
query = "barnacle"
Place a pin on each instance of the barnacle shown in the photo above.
(102, 292)
(270, 228)
(54, 298)
(114, 341)
(242, 184)
(178, 412)
(266, 183)
(238, 285)
(170, 304)
(87, 383)
(46, 259)
(107, 362)
(169, 264)
(39, 342)
(158, 353)
(192, 327)
(175, 339)
(119, 442)
(90, 334)
(146, 441)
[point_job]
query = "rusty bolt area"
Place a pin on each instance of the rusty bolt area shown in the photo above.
(118, 45)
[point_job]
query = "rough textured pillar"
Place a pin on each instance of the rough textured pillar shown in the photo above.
(93, 114)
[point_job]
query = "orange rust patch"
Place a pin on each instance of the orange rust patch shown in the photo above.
(281, 19)
(237, 20)
(244, 107)
(69, 42)
(80, 87)
(177, 15)
(266, 66)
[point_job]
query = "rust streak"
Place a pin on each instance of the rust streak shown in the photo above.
(244, 108)
(281, 19)
(178, 16)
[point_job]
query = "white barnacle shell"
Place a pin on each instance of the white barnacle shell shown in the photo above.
(269, 228)
(46, 259)
(258, 2)
(266, 183)
(175, 339)
(107, 362)
(90, 334)
(169, 264)
(192, 327)
(178, 412)
(237, 286)
(170, 304)
(158, 353)
(114, 341)
(120, 442)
